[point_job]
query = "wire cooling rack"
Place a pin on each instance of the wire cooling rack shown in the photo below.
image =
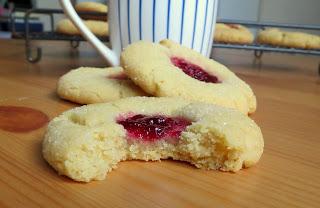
(260, 48)
(34, 54)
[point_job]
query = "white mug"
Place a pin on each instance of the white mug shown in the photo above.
(188, 22)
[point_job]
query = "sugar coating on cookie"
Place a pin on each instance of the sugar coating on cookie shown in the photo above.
(99, 28)
(87, 142)
(232, 33)
(171, 70)
(87, 85)
(277, 37)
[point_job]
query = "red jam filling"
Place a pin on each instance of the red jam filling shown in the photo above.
(153, 128)
(194, 71)
(233, 26)
(121, 76)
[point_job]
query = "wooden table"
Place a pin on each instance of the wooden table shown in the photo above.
(288, 175)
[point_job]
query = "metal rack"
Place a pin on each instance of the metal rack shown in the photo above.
(50, 35)
(75, 40)
(260, 48)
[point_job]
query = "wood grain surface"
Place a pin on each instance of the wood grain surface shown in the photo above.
(288, 174)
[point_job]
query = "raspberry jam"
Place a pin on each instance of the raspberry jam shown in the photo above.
(121, 76)
(233, 26)
(194, 71)
(152, 128)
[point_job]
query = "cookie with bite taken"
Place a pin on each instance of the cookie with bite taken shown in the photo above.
(87, 142)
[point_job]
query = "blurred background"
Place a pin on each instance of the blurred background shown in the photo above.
(281, 11)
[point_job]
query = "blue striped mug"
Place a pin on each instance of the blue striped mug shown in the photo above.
(188, 22)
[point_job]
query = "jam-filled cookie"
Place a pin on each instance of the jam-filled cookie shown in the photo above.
(171, 70)
(276, 37)
(87, 85)
(99, 28)
(87, 142)
(232, 33)
(95, 7)
(91, 7)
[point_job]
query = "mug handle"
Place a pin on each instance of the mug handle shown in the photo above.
(110, 56)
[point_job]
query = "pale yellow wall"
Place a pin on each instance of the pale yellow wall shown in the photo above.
(51, 4)
(283, 11)
(291, 11)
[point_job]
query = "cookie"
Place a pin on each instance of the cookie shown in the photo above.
(232, 33)
(276, 37)
(171, 70)
(92, 7)
(87, 142)
(98, 28)
(87, 85)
